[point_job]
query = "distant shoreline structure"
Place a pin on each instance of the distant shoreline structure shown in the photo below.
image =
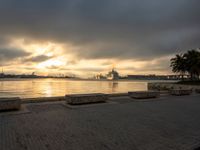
(32, 76)
(112, 75)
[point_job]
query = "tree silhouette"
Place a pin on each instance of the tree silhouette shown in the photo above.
(178, 64)
(192, 58)
(188, 62)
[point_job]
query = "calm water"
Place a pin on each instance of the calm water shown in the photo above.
(28, 88)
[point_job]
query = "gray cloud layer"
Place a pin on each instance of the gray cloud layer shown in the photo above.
(10, 54)
(124, 29)
(37, 59)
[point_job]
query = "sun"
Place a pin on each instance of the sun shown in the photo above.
(53, 63)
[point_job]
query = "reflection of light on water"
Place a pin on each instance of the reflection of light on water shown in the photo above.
(48, 91)
(61, 87)
(113, 86)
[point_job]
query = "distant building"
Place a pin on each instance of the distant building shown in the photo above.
(2, 74)
(100, 76)
(113, 75)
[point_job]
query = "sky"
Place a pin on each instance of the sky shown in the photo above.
(87, 37)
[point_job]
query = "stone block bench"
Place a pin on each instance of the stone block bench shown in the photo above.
(144, 94)
(78, 99)
(180, 92)
(10, 103)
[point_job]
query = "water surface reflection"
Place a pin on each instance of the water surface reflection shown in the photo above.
(59, 87)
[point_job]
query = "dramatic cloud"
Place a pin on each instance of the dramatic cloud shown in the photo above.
(9, 54)
(37, 59)
(118, 30)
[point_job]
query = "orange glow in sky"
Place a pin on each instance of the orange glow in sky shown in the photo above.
(51, 57)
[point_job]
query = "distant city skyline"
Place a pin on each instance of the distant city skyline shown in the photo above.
(112, 75)
(90, 37)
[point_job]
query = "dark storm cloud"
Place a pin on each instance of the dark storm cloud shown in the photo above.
(126, 29)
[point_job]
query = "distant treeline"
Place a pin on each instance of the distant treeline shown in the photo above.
(28, 76)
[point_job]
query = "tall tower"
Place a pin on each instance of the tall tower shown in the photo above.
(1, 74)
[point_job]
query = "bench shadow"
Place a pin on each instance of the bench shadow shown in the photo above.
(23, 109)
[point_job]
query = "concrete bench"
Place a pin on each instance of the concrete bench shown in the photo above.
(77, 99)
(10, 103)
(180, 92)
(144, 94)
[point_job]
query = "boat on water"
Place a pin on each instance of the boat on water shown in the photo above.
(113, 75)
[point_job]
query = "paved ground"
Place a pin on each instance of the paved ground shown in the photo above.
(172, 123)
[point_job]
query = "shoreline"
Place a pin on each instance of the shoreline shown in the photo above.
(79, 79)
(60, 98)
(163, 87)
(169, 86)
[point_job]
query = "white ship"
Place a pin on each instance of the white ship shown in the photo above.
(113, 75)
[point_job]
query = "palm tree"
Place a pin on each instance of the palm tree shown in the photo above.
(178, 65)
(192, 63)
